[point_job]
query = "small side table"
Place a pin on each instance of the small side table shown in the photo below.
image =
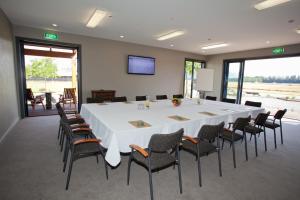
(48, 100)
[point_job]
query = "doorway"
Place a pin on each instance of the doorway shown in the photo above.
(190, 77)
(49, 73)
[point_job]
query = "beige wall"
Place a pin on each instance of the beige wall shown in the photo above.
(9, 112)
(104, 65)
(216, 62)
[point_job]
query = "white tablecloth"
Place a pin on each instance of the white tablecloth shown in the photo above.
(110, 121)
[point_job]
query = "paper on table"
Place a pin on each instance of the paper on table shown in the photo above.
(208, 113)
(178, 118)
(139, 124)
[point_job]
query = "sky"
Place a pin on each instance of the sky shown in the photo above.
(279, 67)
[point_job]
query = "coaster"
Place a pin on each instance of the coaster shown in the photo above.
(139, 124)
(102, 104)
(178, 118)
(208, 113)
(127, 102)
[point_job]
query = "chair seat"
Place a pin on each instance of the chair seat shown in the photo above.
(227, 135)
(87, 149)
(271, 125)
(75, 121)
(204, 147)
(158, 160)
(253, 129)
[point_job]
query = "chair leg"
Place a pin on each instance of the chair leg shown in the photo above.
(128, 168)
(223, 143)
(233, 155)
(59, 131)
(246, 147)
(65, 157)
(219, 160)
(281, 132)
(250, 137)
(255, 141)
(275, 143)
(199, 166)
(106, 170)
(62, 142)
(150, 179)
(179, 169)
(265, 139)
(69, 172)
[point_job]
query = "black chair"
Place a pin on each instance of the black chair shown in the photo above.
(258, 127)
(72, 118)
(158, 155)
(232, 136)
(202, 145)
(274, 124)
(253, 103)
(140, 98)
(94, 100)
(178, 96)
(211, 98)
(119, 99)
(81, 148)
(228, 100)
(161, 97)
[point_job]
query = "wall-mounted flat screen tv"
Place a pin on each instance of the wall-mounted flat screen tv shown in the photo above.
(141, 65)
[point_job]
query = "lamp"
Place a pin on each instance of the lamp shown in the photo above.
(205, 81)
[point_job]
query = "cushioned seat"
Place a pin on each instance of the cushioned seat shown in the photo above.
(204, 147)
(271, 125)
(227, 135)
(158, 160)
(253, 129)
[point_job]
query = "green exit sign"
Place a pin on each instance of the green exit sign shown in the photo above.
(278, 50)
(50, 36)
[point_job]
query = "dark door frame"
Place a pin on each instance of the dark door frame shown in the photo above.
(20, 41)
(203, 65)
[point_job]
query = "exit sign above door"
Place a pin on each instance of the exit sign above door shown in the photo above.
(50, 36)
(278, 50)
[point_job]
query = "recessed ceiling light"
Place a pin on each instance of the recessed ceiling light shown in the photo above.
(298, 31)
(268, 42)
(269, 3)
(170, 35)
(55, 25)
(172, 45)
(96, 18)
(122, 36)
(213, 46)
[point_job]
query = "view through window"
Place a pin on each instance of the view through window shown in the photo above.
(275, 83)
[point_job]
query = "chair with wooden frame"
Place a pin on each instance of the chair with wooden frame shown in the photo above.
(69, 96)
(202, 145)
(158, 155)
(34, 99)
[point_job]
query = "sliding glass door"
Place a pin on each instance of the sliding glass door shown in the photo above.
(233, 80)
(190, 77)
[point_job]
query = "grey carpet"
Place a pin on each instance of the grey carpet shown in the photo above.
(31, 168)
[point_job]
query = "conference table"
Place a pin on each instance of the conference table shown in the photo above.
(120, 124)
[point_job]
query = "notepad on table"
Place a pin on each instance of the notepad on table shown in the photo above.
(178, 118)
(139, 124)
(208, 113)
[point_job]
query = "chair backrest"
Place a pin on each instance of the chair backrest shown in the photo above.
(59, 109)
(70, 93)
(211, 98)
(228, 100)
(178, 96)
(253, 103)
(161, 143)
(119, 99)
(29, 94)
(94, 100)
(161, 97)
(279, 114)
(261, 119)
(140, 98)
(241, 122)
(210, 132)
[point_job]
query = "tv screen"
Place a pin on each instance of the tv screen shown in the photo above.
(141, 65)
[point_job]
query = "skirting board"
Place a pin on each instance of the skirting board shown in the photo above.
(9, 129)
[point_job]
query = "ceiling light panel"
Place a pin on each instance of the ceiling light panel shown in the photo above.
(269, 3)
(170, 35)
(214, 46)
(96, 18)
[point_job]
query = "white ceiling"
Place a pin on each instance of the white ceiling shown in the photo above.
(141, 21)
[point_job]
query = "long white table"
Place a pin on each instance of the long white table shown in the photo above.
(110, 121)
